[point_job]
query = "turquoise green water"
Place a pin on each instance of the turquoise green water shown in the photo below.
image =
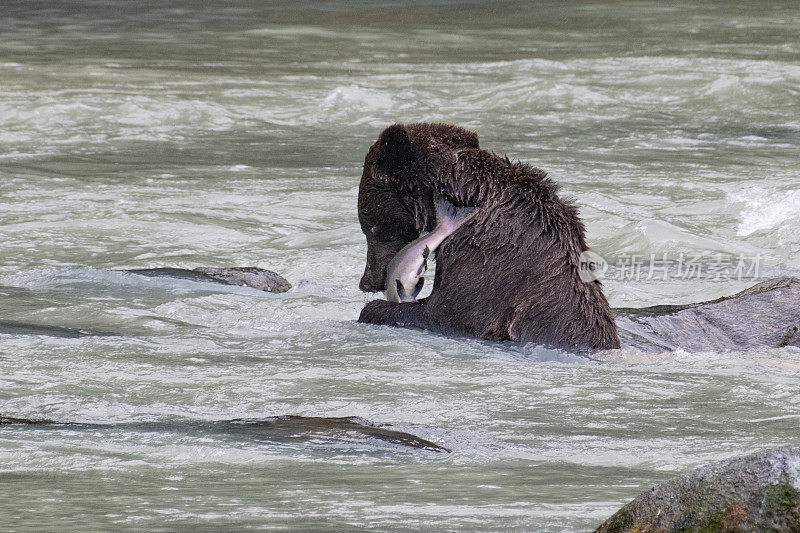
(166, 134)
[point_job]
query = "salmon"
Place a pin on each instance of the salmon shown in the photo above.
(404, 279)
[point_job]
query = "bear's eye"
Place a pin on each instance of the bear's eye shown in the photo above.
(374, 230)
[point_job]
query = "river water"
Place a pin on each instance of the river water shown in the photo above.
(163, 134)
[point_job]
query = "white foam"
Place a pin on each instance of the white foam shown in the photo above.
(541, 93)
(766, 209)
(722, 85)
(355, 98)
(149, 112)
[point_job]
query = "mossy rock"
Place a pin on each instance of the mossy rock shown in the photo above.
(759, 492)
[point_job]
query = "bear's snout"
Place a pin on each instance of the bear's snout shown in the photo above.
(378, 258)
(366, 285)
(370, 283)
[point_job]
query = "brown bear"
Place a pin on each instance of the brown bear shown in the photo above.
(512, 272)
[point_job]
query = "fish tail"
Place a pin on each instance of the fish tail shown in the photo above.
(446, 211)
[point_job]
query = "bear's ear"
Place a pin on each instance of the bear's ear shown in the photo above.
(394, 148)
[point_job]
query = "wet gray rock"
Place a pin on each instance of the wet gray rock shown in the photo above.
(759, 492)
(284, 429)
(7, 420)
(257, 278)
(765, 315)
(12, 327)
(288, 428)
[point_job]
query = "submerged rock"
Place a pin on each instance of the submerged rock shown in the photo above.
(303, 428)
(11, 327)
(7, 420)
(257, 278)
(759, 492)
(765, 315)
(285, 429)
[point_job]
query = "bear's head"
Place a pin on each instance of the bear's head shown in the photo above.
(395, 197)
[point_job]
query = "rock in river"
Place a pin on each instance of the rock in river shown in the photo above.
(759, 492)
